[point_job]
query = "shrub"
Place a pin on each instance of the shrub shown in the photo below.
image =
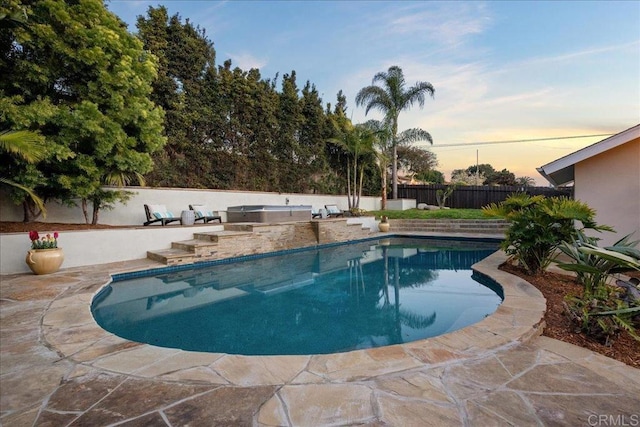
(602, 311)
(539, 225)
(604, 314)
(593, 265)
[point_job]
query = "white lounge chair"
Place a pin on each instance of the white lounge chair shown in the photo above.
(159, 213)
(205, 215)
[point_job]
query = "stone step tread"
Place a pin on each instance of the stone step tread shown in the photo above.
(170, 253)
(224, 233)
(196, 243)
(169, 256)
(215, 236)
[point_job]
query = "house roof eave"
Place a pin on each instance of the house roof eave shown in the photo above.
(561, 171)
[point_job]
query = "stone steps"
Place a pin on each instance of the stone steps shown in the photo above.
(203, 247)
(253, 238)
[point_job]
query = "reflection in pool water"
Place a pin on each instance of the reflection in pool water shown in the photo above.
(359, 295)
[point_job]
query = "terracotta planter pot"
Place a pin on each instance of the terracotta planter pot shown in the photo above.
(383, 226)
(45, 261)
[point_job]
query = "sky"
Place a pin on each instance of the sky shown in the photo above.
(502, 70)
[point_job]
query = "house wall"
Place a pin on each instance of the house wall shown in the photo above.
(610, 184)
(178, 199)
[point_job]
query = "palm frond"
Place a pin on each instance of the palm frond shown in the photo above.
(36, 199)
(414, 135)
(23, 143)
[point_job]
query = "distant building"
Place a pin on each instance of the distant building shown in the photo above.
(606, 176)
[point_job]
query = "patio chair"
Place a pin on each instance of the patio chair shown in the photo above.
(205, 215)
(333, 211)
(159, 213)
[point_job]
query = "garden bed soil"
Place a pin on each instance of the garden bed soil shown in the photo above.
(553, 286)
(18, 227)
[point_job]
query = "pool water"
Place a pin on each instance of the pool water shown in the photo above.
(359, 295)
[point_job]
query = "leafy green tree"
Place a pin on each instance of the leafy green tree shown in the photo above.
(503, 177)
(334, 153)
(287, 147)
(492, 176)
(185, 89)
(392, 98)
(482, 169)
(313, 133)
(462, 177)
(80, 79)
(431, 176)
(416, 160)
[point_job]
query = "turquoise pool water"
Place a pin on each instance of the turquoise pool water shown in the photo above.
(360, 295)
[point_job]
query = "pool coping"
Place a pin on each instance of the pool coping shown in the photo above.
(69, 327)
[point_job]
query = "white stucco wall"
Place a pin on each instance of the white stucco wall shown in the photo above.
(176, 200)
(88, 247)
(610, 184)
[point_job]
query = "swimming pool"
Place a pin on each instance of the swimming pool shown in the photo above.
(333, 299)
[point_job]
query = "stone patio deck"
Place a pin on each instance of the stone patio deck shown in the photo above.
(58, 367)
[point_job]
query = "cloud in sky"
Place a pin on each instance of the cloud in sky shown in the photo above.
(444, 23)
(246, 61)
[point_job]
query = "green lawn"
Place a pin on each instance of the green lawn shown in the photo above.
(424, 214)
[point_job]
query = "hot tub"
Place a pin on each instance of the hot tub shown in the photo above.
(268, 213)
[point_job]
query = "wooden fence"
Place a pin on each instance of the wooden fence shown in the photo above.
(475, 197)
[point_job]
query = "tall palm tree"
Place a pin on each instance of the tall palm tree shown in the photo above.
(391, 98)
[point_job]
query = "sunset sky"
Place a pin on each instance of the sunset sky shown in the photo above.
(502, 70)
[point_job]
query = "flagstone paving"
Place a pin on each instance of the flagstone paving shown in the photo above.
(58, 368)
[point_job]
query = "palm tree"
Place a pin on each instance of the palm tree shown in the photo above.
(526, 181)
(383, 148)
(382, 151)
(30, 147)
(392, 98)
(357, 142)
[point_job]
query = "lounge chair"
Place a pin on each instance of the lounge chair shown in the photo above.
(315, 213)
(159, 213)
(203, 214)
(333, 211)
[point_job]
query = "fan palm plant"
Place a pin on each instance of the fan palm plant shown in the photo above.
(539, 225)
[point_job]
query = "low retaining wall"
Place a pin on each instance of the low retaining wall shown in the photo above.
(480, 226)
(90, 247)
(179, 199)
